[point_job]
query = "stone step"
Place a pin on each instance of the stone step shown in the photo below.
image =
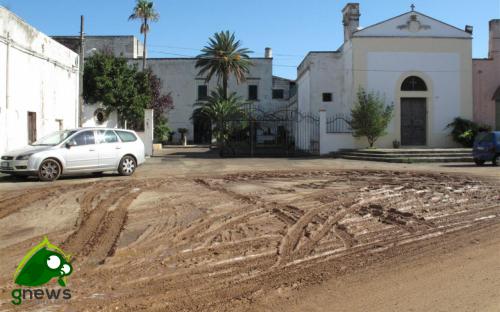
(411, 159)
(405, 155)
(405, 151)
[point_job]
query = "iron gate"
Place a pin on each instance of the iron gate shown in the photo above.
(278, 134)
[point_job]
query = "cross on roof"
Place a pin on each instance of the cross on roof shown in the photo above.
(412, 6)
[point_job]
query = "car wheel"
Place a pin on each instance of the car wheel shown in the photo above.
(127, 165)
(49, 170)
(496, 160)
(479, 162)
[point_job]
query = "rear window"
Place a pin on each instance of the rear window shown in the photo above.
(126, 136)
(107, 136)
(488, 138)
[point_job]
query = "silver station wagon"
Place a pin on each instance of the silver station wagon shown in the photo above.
(84, 150)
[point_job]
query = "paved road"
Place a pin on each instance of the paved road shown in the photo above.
(196, 161)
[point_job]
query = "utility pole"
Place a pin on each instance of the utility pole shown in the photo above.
(81, 65)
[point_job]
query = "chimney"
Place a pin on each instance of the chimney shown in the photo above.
(350, 19)
(268, 53)
(469, 29)
(494, 46)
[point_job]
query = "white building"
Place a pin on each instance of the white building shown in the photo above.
(38, 83)
(179, 77)
(419, 64)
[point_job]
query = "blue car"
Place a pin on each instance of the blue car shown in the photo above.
(487, 148)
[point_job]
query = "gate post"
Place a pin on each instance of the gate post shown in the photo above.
(148, 132)
(322, 131)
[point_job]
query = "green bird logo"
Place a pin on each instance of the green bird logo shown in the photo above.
(43, 263)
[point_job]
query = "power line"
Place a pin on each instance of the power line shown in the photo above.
(199, 50)
(193, 56)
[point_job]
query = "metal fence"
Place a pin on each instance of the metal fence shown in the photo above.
(338, 123)
(306, 133)
(278, 133)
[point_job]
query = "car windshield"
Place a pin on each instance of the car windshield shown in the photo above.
(54, 138)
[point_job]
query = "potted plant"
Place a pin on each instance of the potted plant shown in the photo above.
(183, 132)
(396, 144)
(170, 137)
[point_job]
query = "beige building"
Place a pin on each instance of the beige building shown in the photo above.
(179, 77)
(486, 76)
(420, 65)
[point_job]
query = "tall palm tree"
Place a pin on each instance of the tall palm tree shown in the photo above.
(144, 12)
(222, 57)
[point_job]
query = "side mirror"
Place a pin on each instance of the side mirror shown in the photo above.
(69, 144)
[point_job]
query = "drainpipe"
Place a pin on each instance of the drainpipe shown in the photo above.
(7, 72)
(81, 66)
(7, 89)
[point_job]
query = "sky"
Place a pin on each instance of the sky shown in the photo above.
(290, 27)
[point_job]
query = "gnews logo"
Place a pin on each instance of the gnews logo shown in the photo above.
(38, 267)
(20, 294)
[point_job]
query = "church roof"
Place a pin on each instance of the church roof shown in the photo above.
(412, 24)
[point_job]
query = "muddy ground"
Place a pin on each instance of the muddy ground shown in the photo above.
(236, 240)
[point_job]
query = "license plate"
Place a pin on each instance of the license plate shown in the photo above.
(4, 164)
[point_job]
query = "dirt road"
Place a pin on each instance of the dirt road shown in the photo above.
(235, 239)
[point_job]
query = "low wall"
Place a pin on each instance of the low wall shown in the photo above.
(332, 142)
(89, 119)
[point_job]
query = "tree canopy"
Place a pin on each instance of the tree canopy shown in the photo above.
(145, 12)
(123, 88)
(222, 57)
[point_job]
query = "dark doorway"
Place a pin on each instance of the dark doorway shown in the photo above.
(31, 127)
(202, 130)
(413, 121)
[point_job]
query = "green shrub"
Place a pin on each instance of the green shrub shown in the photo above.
(161, 130)
(464, 131)
(370, 116)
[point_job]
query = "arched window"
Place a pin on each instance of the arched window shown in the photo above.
(413, 83)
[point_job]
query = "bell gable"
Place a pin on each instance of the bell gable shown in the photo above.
(412, 24)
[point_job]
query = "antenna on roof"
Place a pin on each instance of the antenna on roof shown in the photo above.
(412, 6)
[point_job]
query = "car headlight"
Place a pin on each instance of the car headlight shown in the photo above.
(24, 157)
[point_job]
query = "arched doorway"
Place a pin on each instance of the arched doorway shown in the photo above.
(413, 112)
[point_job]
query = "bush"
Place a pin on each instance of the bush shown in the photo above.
(370, 116)
(161, 130)
(464, 131)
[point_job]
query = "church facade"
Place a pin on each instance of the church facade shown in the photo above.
(420, 65)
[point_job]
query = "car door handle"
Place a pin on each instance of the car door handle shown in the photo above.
(91, 150)
(118, 147)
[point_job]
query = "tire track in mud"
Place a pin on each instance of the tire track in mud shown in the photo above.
(25, 199)
(326, 227)
(294, 233)
(211, 274)
(99, 227)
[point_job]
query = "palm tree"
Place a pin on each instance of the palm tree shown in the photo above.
(222, 57)
(220, 109)
(144, 12)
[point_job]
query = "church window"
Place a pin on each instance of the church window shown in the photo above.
(413, 83)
